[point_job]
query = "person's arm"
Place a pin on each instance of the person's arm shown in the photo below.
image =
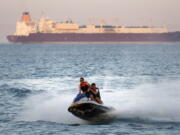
(94, 92)
(80, 89)
(89, 89)
(97, 91)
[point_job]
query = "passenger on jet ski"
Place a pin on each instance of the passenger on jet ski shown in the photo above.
(84, 86)
(94, 93)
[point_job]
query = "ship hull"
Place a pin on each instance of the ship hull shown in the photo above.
(95, 37)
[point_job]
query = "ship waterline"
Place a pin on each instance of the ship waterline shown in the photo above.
(103, 37)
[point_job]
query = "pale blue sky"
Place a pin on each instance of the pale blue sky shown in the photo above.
(123, 12)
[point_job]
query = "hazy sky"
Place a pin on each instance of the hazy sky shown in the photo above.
(121, 12)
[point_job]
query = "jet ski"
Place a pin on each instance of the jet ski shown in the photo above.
(89, 110)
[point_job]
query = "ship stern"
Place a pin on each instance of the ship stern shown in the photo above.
(12, 38)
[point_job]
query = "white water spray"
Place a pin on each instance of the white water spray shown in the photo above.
(159, 102)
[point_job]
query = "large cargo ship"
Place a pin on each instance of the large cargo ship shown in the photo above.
(45, 30)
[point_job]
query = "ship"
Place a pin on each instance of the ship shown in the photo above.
(45, 30)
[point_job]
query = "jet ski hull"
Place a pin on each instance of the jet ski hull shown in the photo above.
(89, 110)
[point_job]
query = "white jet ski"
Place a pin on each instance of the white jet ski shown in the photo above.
(88, 110)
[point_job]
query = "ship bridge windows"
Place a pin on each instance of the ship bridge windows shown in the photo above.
(82, 26)
(69, 21)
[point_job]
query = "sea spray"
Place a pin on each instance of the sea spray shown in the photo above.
(48, 107)
(159, 102)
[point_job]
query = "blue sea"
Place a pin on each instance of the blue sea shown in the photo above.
(38, 83)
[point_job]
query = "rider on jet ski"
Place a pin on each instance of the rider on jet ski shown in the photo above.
(84, 86)
(95, 94)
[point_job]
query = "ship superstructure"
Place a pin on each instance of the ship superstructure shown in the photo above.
(47, 30)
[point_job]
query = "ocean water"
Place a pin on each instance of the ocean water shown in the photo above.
(38, 83)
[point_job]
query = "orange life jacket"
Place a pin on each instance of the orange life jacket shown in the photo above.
(84, 84)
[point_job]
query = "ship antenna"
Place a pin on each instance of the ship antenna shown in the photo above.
(42, 14)
(151, 21)
(23, 3)
(116, 20)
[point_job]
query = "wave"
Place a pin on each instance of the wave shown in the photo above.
(7, 90)
(19, 92)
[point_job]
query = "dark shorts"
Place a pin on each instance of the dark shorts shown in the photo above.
(98, 95)
(88, 94)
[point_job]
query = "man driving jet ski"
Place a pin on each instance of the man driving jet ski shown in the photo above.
(84, 86)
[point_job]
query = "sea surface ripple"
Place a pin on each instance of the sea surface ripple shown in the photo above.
(38, 83)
